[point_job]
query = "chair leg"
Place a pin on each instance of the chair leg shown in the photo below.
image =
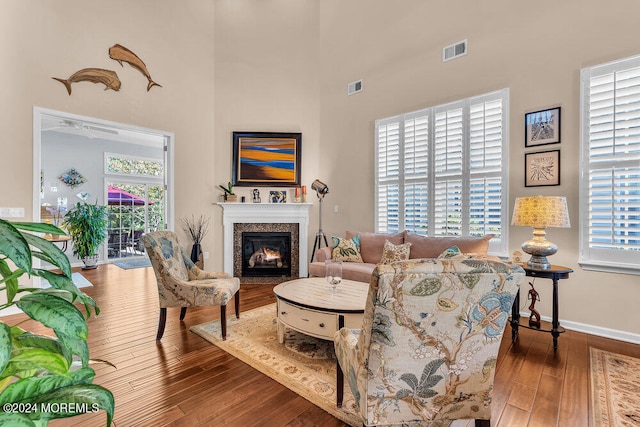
(339, 385)
(183, 312)
(483, 423)
(223, 321)
(161, 323)
(237, 301)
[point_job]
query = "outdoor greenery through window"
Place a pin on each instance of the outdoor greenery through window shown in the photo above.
(610, 185)
(134, 166)
(136, 202)
(442, 171)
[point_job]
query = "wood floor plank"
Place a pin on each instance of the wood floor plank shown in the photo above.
(186, 381)
(547, 402)
(513, 417)
(575, 395)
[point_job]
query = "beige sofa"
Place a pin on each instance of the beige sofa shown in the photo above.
(371, 245)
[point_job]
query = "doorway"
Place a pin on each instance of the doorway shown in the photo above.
(127, 168)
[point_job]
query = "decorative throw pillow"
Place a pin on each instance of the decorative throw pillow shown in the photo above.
(454, 253)
(392, 253)
(347, 250)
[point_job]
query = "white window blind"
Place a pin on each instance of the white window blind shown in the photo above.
(610, 185)
(442, 171)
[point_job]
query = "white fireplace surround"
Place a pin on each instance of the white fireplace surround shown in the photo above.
(254, 213)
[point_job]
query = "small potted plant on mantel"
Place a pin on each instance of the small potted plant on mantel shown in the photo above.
(228, 195)
(87, 227)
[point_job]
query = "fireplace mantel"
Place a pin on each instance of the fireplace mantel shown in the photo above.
(255, 213)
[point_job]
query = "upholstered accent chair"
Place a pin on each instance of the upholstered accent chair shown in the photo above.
(429, 342)
(182, 284)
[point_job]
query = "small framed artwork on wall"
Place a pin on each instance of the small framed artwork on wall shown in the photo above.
(542, 127)
(542, 169)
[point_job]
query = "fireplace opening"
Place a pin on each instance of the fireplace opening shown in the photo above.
(266, 254)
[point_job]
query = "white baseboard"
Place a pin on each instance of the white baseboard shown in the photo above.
(592, 330)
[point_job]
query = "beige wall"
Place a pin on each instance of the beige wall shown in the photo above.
(41, 39)
(283, 65)
(534, 49)
(266, 79)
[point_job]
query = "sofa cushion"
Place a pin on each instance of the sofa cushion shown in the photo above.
(432, 247)
(372, 244)
(454, 253)
(392, 253)
(323, 254)
(347, 250)
(358, 271)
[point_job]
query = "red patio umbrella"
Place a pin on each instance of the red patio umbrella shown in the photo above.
(117, 196)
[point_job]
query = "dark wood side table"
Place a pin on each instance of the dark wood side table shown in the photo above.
(555, 273)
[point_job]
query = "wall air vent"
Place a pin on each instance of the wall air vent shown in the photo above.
(455, 50)
(354, 87)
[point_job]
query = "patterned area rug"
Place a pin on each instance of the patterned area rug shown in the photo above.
(615, 389)
(304, 364)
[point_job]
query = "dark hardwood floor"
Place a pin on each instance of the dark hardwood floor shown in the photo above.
(186, 381)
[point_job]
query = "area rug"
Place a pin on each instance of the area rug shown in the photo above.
(303, 364)
(615, 389)
(78, 280)
(134, 263)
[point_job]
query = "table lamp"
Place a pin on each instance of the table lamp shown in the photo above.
(540, 212)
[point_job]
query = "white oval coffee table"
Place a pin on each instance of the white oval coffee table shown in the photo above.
(309, 306)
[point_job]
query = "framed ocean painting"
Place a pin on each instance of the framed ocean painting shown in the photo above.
(267, 159)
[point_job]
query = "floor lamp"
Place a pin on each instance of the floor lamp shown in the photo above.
(321, 190)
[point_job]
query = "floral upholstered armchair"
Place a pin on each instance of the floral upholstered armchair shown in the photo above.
(429, 342)
(182, 284)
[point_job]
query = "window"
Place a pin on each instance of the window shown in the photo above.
(443, 170)
(136, 201)
(610, 178)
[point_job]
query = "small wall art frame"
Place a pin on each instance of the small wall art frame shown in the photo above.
(267, 159)
(278, 196)
(542, 127)
(542, 168)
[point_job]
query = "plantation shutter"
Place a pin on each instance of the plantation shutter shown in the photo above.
(486, 159)
(448, 171)
(443, 170)
(610, 193)
(416, 172)
(388, 176)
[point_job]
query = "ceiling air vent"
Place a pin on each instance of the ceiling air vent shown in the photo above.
(454, 51)
(354, 87)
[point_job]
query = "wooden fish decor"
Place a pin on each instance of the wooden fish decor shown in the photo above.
(122, 54)
(108, 78)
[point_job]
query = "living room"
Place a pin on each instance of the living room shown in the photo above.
(284, 66)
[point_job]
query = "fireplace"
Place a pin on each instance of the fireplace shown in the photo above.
(292, 218)
(266, 254)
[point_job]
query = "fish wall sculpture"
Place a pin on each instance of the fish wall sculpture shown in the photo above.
(122, 54)
(108, 78)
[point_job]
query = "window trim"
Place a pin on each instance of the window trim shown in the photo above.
(497, 247)
(595, 259)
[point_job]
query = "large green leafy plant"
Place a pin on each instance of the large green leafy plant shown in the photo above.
(87, 227)
(43, 377)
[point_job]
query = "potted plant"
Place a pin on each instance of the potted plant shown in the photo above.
(38, 372)
(228, 195)
(87, 225)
